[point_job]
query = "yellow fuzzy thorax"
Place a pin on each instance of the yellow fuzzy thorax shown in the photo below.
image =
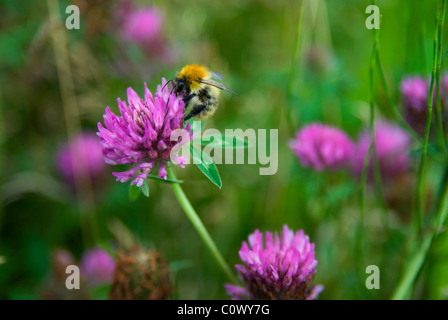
(191, 73)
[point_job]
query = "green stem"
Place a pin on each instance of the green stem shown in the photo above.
(291, 117)
(415, 263)
(419, 195)
(422, 47)
(365, 171)
(398, 116)
(378, 185)
(435, 154)
(83, 184)
(2, 140)
(440, 130)
(199, 226)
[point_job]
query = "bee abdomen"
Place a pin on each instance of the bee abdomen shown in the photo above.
(204, 95)
(204, 103)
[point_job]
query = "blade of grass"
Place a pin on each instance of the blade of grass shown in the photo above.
(199, 226)
(413, 265)
(2, 139)
(419, 190)
(398, 116)
(292, 120)
(440, 130)
(364, 176)
(83, 183)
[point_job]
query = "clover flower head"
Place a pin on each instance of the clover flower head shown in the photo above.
(279, 268)
(392, 146)
(81, 156)
(97, 266)
(141, 136)
(322, 147)
(414, 92)
(141, 274)
(143, 25)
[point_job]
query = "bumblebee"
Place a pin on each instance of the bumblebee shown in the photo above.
(200, 88)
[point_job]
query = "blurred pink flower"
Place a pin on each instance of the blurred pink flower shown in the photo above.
(97, 267)
(392, 144)
(414, 94)
(144, 27)
(322, 147)
(60, 260)
(81, 156)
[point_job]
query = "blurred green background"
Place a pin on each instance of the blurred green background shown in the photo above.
(282, 83)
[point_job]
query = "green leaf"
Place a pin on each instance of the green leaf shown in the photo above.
(223, 141)
(145, 188)
(197, 126)
(163, 180)
(206, 165)
(134, 192)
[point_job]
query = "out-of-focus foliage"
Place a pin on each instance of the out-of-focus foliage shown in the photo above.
(281, 84)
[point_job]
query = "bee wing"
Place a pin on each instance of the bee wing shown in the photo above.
(215, 84)
(216, 75)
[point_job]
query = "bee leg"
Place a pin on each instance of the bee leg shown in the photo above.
(195, 112)
(187, 99)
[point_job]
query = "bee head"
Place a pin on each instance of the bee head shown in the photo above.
(179, 85)
(187, 78)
